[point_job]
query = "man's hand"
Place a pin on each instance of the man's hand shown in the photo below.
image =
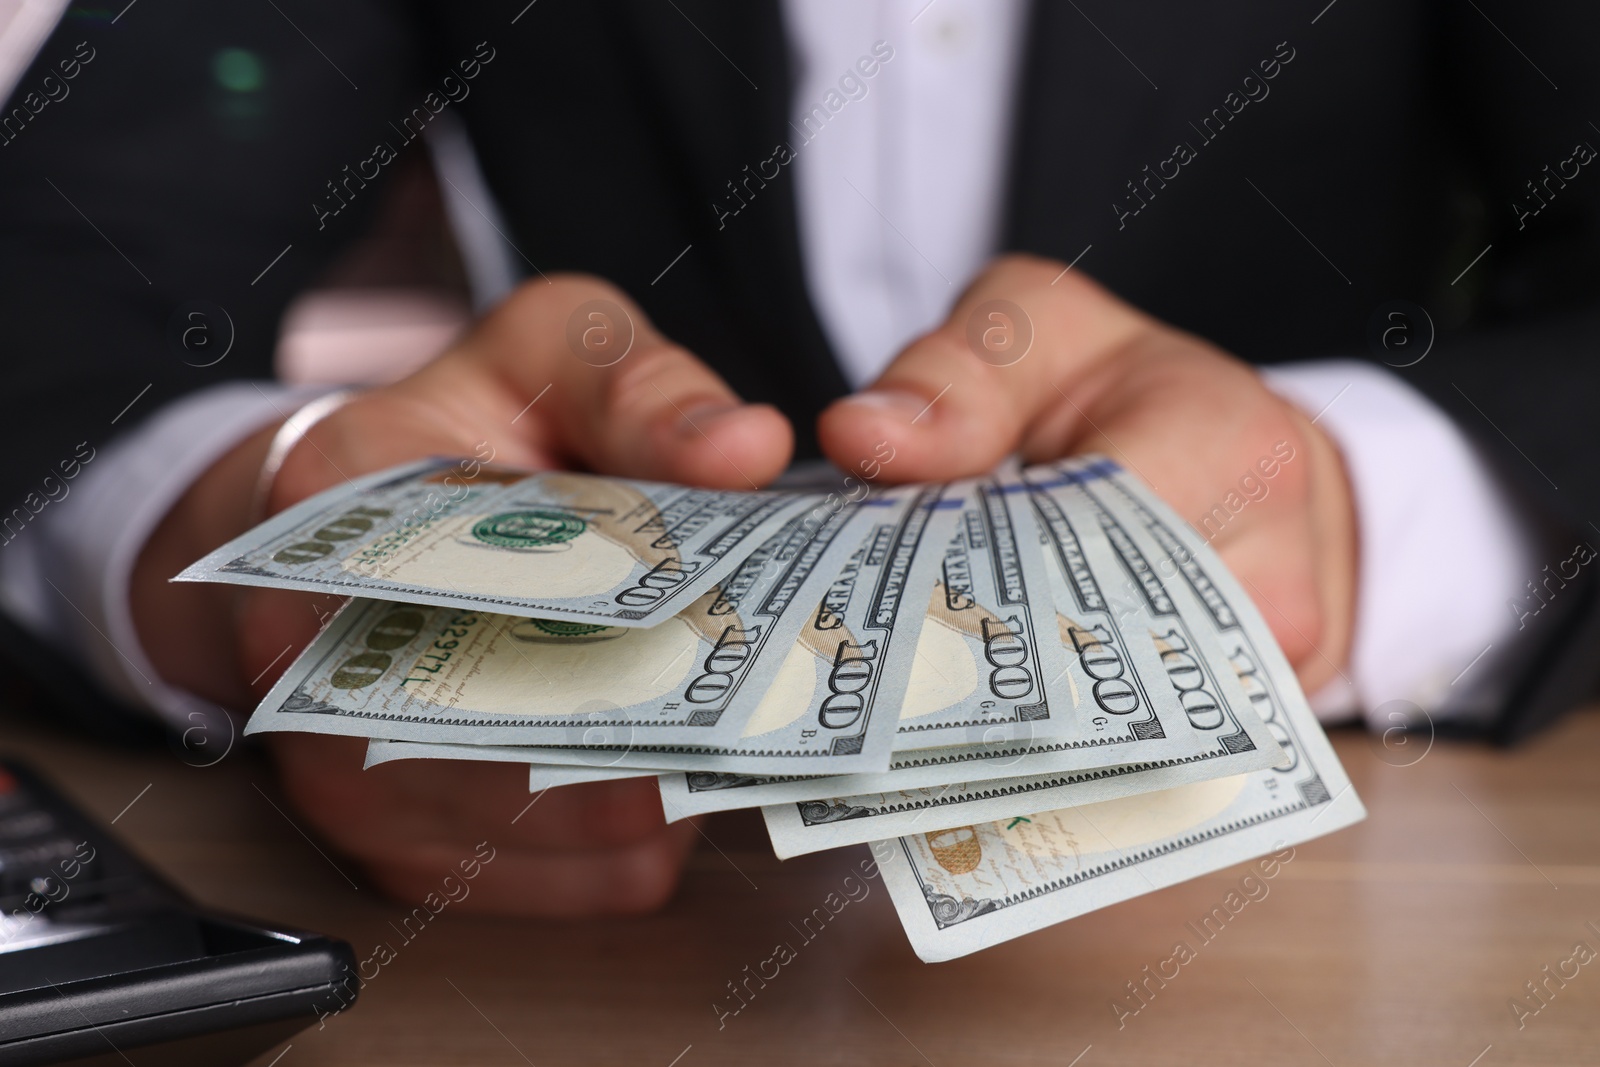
(543, 381)
(1099, 376)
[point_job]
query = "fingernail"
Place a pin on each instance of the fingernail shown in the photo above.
(899, 402)
(697, 419)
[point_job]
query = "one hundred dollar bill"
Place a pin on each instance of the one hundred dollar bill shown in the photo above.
(1125, 707)
(1215, 690)
(968, 886)
(989, 665)
(406, 672)
(460, 534)
(830, 706)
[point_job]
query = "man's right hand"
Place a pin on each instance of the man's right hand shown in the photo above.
(564, 373)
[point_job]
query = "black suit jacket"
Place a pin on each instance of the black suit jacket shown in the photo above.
(1270, 176)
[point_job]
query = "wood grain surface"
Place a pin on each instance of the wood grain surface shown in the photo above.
(1400, 941)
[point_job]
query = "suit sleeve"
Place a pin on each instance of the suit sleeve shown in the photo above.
(1515, 81)
(170, 178)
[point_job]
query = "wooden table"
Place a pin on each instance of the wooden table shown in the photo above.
(1399, 941)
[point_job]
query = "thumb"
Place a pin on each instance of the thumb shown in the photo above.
(961, 398)
(614, 394)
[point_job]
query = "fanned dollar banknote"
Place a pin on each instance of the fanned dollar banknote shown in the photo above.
(830, 668)
(1110, 712)
(459, 534)
(1206, 682)
(1034, 694)
(409, 672)
(964, 887)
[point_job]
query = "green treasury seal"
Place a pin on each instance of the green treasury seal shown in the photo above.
(557, 631)
(528, 529)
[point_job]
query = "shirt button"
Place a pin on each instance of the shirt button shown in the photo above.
(948, 35)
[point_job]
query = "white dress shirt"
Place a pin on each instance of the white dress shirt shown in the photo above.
(899, 194)
(899, 190)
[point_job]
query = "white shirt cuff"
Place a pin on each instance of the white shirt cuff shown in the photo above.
(65, 577)
(1442, 550)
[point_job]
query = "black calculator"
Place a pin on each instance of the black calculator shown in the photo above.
(103, 962)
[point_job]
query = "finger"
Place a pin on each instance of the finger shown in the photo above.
(1019, 342)
(635, 879)
(271, 625)
(1298, 560)
(608, 390)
